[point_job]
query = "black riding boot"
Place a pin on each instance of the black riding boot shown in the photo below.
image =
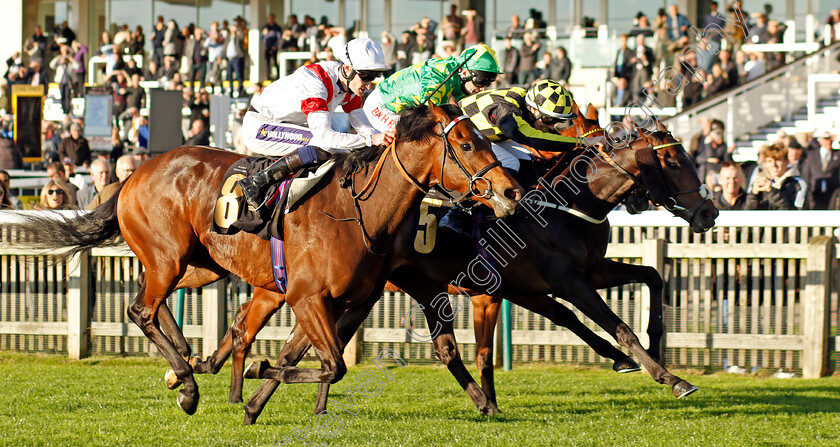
(459, 221)
(303, 157)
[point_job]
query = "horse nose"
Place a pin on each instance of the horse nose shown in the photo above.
(514, 193)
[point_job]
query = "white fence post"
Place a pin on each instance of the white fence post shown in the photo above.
(653, 255)
(816, 310)
(213, 316)
(78, 306)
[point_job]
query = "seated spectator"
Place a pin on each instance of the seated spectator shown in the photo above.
(198, 135)
(51, 139)
(754, 67)
(75, 146)
(712, 152)
(54, 196)
(153, 72)
(140, 154)
(55, 171)
(71, 175)
(10, 155)
(779, 187)
(100, 172)
(716, 82)
(732, 195)
(126, 165)
(6, 182)
(729, 68)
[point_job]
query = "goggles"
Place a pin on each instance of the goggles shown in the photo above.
(556, 122)
(482, 78)
(368, 76)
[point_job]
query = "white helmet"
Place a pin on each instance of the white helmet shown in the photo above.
(364, 54)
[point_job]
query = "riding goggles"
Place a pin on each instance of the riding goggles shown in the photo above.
(368, 76)
(482, 78)
(554, 121)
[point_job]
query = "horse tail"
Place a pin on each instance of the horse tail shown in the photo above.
(54, 231)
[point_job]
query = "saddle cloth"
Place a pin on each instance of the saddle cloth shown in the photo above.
(232, 213)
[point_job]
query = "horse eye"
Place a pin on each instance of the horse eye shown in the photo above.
(673, 165)
(466, 147)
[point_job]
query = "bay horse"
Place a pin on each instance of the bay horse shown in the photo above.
(165, 209)
(254, 314)
(563, 254)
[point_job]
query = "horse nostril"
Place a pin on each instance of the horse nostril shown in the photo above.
(513, 193)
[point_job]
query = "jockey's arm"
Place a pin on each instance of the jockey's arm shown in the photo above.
(518, 129)
(325, 137)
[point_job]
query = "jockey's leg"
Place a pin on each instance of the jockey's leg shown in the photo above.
(300, 158)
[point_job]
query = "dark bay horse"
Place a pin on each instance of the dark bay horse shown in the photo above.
(563, 252)
(165, 209)
(254, 314)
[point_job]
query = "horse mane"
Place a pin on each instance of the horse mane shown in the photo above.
(416, 124)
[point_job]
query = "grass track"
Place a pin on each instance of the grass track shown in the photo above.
(48, 400)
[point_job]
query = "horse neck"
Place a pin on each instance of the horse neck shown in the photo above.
(393, 198)
(595, 195)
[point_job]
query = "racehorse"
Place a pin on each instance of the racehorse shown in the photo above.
(165, 209)
(573, 242)
(254, 314)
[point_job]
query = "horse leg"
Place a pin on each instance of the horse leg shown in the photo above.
(143, 311)
(485, 313)
(611, 273)
(573, 286)
(317, 321)
(561, 315)
(176, 336)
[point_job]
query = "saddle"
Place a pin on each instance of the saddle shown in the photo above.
(232, 213)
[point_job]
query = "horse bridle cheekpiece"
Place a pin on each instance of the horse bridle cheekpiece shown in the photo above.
(474, 178)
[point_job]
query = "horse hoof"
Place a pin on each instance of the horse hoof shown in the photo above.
(682, 389)
(171, 379)
(187, 403)
(249, 419)
(255, 369)
(626, 365)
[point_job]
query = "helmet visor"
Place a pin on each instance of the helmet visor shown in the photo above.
(481, 78)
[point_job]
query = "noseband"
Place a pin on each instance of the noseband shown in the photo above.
(670, 202)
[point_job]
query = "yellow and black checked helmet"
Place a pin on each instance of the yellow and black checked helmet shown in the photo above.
(551, 100)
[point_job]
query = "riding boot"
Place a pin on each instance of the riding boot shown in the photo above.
(459, 221)
(303, 157)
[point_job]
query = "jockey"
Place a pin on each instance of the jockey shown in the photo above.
(292, 117)
(514, 117)
(411, 85)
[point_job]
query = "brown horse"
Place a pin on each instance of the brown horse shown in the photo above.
(563, 252)
(165, 209)
(254, 314)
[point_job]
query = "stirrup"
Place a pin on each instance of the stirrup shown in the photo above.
(251, 190)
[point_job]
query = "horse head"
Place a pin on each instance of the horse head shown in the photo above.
(463, 161)
(667, 172)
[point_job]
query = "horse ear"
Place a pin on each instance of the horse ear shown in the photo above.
(592, 112)
(651, 173)
(661, 127)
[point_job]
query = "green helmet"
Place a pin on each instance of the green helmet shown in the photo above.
(484, 59)
(551, 99)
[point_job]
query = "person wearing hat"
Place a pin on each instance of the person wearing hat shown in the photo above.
(292, 118)
(412, 85)
(821, 170)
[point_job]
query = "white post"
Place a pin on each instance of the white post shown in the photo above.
(816, 308)
(78, 311)
(653, 255)
(213, 316)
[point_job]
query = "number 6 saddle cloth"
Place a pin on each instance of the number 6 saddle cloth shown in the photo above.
(232, 213)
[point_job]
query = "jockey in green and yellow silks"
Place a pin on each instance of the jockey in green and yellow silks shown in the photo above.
(412, 85)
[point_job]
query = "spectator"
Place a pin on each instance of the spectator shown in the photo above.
(736, 23)
(676, 23)
(732, 195)
(622, 95)
(294, 26)
(528, 59)
(65, 67)
(561, 67)
(55, 171)
(64, 34)
(50, 138)
(544, 66)
(758, 32)
(5, 200)
(198, 57)
(109, 51)
(173, 42)
(75, 146)
(515, 30)
(623, 68)
(138, 41)
(198, 135)
(714, 19)
(79, 53)
(389, 49)
(641, 25)
(36, 46)
(822, 170)
(153, 72)
(71, 175)
(6, 182)
(712, 151)
(729, 67)
(54, 196)
(452, 26)
(215, 44)
(833, 23)
(404, 50)
(157, 37)
(140, 155)
(37, 75)
(754, 67)
(10, 155)
(780, 187)
(126, 165)
(131, 68)
(642, 62)
(100, 172)
(796, 153)
(271, 35)
(472, 31)
(169, 69)
(422, 50)
(119, 89)
(510, 64)
(235, 53)
(716, 82)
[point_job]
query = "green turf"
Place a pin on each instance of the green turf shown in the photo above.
(48, 400)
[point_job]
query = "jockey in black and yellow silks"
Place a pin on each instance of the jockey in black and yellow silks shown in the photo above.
(508, 117)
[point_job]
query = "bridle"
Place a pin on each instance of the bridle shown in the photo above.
(448, 149)
(670, 201)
